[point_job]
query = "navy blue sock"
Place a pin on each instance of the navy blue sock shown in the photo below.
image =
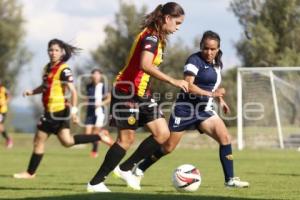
(226, 159)
(150, 160)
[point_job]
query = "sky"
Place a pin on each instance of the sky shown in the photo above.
(82, 22)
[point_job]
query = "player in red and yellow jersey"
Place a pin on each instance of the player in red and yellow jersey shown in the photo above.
(4, 98)
(132, 105)
(57, 79)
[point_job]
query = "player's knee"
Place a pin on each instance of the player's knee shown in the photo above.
(67, 143)
(126, 143)
(168, 149)
(226, 139)
(162, 136)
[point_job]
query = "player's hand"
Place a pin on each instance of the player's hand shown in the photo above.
(75, 118)
(224, 106)
(27, 93)
(220, 92)
(184, 85)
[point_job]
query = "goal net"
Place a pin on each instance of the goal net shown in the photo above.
(268, 107)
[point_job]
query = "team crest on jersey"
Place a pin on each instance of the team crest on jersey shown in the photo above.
(131, 120)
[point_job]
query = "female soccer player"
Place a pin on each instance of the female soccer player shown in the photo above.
(57, 79)
(4, 98)
(195, 109)
(97, 98)
(132, 105)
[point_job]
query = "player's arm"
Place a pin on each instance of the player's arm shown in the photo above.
(106, 99)
(194, 89)
(74, 101)
(35, 91)
(148, 67)
(67, 80)
(7, 96)
(149, 46)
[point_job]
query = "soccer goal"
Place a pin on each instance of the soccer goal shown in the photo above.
(268, 107)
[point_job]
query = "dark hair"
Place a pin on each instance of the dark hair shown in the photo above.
(69, 49)
(213, 36)
(155, 19)
(96, 70)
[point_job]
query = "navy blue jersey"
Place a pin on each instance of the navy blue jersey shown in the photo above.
(95, 93)
(190, 110)
(207, 77)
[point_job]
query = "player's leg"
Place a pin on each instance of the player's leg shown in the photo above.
(8, 140)
(39, 141)
(160, 133)
(166, 148)
(68, 140)
(215, 128)
(113, 156)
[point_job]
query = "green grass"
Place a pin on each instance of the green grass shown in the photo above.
(63, 174)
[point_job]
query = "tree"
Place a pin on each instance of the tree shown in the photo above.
(112, 54)
(12, 53)
(272, 29)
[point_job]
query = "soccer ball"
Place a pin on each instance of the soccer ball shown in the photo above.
(186, 178)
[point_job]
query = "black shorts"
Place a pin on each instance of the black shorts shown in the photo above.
(132, 112)
(54, 122)
(2, 117)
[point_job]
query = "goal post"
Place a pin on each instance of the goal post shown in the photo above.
(267, 105)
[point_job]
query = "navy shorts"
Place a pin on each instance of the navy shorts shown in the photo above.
(183, 118)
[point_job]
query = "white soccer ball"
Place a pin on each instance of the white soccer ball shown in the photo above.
(186, 178)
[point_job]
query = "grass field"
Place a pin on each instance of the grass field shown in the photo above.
(63, 174)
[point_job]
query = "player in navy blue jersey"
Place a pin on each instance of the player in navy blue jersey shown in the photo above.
(194, 110)
(97, 98)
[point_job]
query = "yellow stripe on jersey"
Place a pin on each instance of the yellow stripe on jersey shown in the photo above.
(3, 100)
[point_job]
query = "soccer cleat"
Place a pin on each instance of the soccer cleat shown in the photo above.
(9, 143)
(101, 187)
(106, 138)
(128, 177)
(94, 154)
(24, 175)
(138, 174)
(235, 182)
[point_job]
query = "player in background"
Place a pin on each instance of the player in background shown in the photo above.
(97, 98)
(194, 110)
(57, 80)
(4, 99)
(132, 105)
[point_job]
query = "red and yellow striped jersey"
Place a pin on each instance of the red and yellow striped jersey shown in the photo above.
(53, 86)
(3, 99)
(132, 79)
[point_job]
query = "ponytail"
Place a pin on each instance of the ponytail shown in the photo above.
(155, 19)
(69, 50)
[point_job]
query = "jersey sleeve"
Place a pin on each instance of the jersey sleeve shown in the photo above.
(150, 43)
(190, 67)
(66, 75)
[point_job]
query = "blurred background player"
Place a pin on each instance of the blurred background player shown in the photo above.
(57, 80)
(97, 97)
(195, 110)
(4, 99)
(132, 105)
